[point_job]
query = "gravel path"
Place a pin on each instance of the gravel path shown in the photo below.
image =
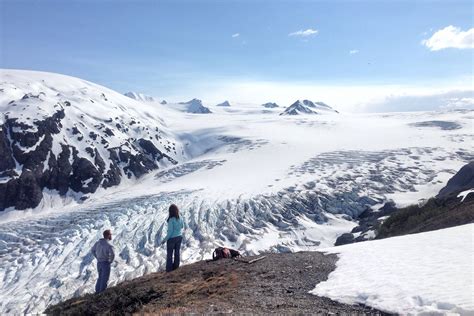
(277, 284)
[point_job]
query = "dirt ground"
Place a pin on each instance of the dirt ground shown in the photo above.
(278, 284)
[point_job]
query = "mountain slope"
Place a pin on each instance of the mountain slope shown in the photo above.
(72, 137)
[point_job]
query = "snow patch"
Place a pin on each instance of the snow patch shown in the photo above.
(464, 194)
(429, 273)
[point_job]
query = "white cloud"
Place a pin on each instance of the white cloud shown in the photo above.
(353, 51)
(450, 37)
(460, 103)
(236, 35)
(425, 100)
(305, 33)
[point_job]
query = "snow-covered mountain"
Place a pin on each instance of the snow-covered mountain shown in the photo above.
(194, 106)
(308, 107)
(225, 103)
(244, 178)
(65, 136)
(139, 97)
(270, 105)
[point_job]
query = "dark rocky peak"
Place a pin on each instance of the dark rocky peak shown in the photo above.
(193, 101)
(308, 107)
(196, 106)
(225, 103)
(463, 180)
(270, 105)
(308, 103)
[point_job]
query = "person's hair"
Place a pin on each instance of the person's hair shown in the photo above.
(173, 212)
(107, 233)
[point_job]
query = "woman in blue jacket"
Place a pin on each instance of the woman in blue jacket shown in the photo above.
(173, 238)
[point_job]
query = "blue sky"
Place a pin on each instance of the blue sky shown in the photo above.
(181, 49)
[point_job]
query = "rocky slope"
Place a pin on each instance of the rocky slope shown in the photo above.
(65, 136)
(277, 284)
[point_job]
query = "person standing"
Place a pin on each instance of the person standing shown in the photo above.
(173, 238)
(103, 251)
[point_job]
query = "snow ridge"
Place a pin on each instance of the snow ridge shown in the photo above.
(139, 97)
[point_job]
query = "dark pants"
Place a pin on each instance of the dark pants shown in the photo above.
(173, 245)
(104, 273)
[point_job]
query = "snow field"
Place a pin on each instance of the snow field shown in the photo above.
(426, 273)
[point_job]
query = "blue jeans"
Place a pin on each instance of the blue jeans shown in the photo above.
(104, 273)
(173, 245)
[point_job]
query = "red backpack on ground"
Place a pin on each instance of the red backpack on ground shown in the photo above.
(223, 253)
